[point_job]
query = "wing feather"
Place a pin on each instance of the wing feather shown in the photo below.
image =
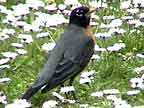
(71, 65)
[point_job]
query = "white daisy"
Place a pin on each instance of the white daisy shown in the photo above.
(133, 21)
(141, 15)
(58, 96)
(10, 55)
(119, 103)
(135, 30)
(85, 80)
(127, 17)
(103, 35)
(97, 48)
(125, 4)
(133, 10)
(12, 18)
(4, 66)
(133, 92)
(3, 9)
(139, 24)
(21, 51)
(108, 17)
(50, 104)
(66, 12)
(17, 45)
(27, 28)
(98, 4)
(93, 23)
(111, 91)
(8, 31)
(62, 6)
(138, 3)
(67, 89)
(71, 2)
(88, 74)
(116, 23)
(116, 47)
(19, 24)
(35, 3)
(3, 37)
(139, 70)
(142, 77)
(20, 9)
(112, 97)
(70, 101)
(43, 34)
(25, 38)
(2, 80)
(95, 57)
(94, 16)
(2, 1)
(51, 7)
(48, 47)
(3, 98)
(19, 103)
(84, 106)
(4, 61)
(97, 94)
(116, 30)
(104, 25)
(137, 83)
(140, 55)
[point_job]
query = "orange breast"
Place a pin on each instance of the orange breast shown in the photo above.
(89, 33)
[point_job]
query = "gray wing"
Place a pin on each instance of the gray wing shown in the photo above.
(71, 64)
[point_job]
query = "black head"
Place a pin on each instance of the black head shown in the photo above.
(79, 16)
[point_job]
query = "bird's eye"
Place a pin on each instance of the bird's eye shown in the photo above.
(79, 12)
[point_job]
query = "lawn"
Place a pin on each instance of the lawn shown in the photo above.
(116, 68)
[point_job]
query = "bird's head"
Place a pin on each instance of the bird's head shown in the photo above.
(81, 16)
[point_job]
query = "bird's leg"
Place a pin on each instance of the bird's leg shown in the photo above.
(71, 81)
(73, 92)
(66, 95)
(70, 84)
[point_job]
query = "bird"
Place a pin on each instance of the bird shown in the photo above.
(70, 55)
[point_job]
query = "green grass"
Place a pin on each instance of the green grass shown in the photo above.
(113, 71)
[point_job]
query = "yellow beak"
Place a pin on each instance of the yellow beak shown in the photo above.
(91, 10)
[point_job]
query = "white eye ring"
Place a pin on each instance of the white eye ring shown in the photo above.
(77, 11)
(79, 14)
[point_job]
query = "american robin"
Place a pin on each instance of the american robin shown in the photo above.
(70, 55)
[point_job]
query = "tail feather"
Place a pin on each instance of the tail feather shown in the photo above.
(30, 92)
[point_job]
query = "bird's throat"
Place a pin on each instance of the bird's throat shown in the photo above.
(89, 33)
